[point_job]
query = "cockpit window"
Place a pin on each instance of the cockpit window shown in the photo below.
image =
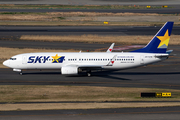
(12, 58)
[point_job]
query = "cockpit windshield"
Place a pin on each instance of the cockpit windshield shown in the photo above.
(12, 58)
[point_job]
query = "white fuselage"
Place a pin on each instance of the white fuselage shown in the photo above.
(46, 61)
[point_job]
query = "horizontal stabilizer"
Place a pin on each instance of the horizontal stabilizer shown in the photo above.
(161, 55)
(169, 51)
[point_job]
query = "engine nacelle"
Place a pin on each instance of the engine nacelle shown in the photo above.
(69, 70)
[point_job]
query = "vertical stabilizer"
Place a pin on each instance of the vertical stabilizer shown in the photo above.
(160, 41)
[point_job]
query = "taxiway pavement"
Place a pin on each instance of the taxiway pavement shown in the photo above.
(157, 113)
(149, 77)
(174, 10)
(93, 2)
(6, 31)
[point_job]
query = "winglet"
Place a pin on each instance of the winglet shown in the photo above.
(110, 48)
(112, 61)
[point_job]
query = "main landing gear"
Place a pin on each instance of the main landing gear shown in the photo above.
(21, 73)
(88, 73)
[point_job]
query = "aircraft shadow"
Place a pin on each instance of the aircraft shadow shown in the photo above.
(41, 73)
(147, 73)
(83, 74)
(104, 74)
(114, 75)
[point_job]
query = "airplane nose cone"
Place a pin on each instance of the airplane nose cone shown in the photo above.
(6, 63)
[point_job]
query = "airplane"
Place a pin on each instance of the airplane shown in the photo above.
(71, 63)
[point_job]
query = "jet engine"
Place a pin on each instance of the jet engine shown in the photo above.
(69, 70)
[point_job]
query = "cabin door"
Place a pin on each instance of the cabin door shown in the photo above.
(142, 59)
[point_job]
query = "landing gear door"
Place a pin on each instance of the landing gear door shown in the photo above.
(24, 59)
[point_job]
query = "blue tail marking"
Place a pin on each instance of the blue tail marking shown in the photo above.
(159, 42)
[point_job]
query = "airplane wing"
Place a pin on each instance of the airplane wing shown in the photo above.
(110, 48)
(90, 67)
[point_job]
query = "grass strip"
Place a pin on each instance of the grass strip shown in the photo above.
(57, 106)
(44, 93)
(80, 23)
(85, 18)
(12, 6)
(8, 52)
(134, 39)
(83, 14)
(47, 93)
(76, 16)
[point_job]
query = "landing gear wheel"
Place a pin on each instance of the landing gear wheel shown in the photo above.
(89, 74)
(21, 73)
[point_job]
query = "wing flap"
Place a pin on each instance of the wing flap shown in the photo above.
(87, 66)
